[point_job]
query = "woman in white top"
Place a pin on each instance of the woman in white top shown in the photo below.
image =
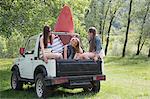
(46, 45)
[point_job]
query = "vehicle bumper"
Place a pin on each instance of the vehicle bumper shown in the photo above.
(73, 79)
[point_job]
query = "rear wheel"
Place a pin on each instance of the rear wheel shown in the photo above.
(94, 88)
(15, 83)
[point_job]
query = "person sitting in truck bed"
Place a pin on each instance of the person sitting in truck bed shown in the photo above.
(73, 50)
(94, 46)
(46, 42)
(57, 45)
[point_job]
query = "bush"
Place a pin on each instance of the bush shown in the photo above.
(9, 47)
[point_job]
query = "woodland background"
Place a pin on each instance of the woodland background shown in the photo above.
(122, 24)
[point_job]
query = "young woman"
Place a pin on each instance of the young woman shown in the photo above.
(46, 45)
(94, 45)
(73, 50)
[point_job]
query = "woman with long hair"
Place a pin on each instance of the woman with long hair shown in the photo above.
(46, 42)
(94, 45)
(73, 50)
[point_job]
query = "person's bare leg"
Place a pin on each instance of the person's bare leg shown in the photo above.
(58, 55)
(84, 56)
(78, 56)
(87, 55)
(54, 55)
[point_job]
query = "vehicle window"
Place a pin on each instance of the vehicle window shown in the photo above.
(30, 46)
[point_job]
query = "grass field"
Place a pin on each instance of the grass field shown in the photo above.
(127, 78)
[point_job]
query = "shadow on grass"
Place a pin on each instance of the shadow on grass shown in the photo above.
(9, 93)
(29, 93)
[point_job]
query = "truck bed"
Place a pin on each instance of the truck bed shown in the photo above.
(78, 67)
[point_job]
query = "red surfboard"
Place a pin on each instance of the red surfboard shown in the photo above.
(65, 23)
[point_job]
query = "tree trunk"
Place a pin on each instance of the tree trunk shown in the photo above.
(103, 25)
(110, 24)
(100, 30)
(142, 26)
(142, 45)
(107, 42)
(101, 21)
(128, 26)
(139, 43)
(149, 53)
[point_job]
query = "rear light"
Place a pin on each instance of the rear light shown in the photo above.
(99, 77)
(60, 80)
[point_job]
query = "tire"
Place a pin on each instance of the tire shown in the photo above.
(40, 87)
(15, 83)
(95, 87)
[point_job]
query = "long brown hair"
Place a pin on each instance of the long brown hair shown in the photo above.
(46, 31)
(77, 47)
(92, 39)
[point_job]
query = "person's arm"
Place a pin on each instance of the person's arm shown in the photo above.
(42, 49)
(80, 46)
(80, 50)
(42, 45)
(98, 45)
(98, 48)
(65, 52)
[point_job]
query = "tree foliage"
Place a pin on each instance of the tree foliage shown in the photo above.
(19, 19)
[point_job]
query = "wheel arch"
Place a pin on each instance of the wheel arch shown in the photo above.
(15, 68)
(40, 69)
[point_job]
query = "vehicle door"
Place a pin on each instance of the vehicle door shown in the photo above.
(26, 63)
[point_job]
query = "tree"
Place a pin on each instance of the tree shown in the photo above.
(93, 16)
(108, 33)
(140, 42)
(149, 52)
(127, 31)
(146, 34)
(24, 18)
(104, 20)
(96, 15)
(100, 13)
(113, 11)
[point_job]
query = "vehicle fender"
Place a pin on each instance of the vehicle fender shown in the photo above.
(15, 68)
(40, 69)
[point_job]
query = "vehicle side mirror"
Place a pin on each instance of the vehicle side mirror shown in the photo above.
(22, 50)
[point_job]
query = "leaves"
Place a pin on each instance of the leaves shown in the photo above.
(23, 18)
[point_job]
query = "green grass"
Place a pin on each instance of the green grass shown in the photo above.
(127, 78)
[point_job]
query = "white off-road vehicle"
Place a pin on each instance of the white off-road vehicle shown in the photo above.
(29, 68)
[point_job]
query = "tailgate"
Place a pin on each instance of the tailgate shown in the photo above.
(78, 67)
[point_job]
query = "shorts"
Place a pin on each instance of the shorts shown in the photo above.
(46, 50)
